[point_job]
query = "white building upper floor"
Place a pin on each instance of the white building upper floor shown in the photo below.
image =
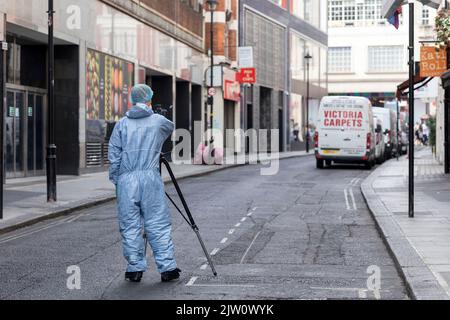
(366, 53)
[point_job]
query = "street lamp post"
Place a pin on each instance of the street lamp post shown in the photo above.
(51, 147)
(411, 110)
(2, 107)
(446, 121)
(308, 58)
(212, 4)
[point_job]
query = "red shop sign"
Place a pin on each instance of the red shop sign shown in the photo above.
(246, 75)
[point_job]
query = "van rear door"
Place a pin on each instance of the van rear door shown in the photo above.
(343, 127)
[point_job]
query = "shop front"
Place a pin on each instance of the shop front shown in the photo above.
(97, 61)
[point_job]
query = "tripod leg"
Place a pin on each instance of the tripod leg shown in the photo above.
(208, 257)
(145, 244)
(188, 213)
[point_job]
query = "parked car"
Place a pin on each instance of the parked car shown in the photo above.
(389, 118)
(380, 154)
(345, 131)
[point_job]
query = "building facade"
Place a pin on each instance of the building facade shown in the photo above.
(226, 110)
(102, 48)
(369, 57)
(281, 32)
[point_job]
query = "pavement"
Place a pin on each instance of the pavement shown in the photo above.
(302, 233)
(420, 246)
(25, 199)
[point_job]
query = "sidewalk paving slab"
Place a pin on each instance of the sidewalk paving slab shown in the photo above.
(420, 246)
(25, 199)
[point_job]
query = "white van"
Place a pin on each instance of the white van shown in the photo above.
(345, 131)
(389, 118)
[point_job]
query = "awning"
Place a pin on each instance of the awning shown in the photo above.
(405, 85)
(389, 6)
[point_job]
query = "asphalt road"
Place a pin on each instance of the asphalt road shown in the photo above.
(300, 234)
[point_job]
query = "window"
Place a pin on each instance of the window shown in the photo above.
(386, 59)
(425, 16)
(339, 59)
(352, 10)
(370, 8)
(335, 10)
(360, 11)
(349, 10)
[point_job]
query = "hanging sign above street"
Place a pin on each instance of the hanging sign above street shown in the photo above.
(245, 56)
(433, 63)
(246, 75)
(2, 26)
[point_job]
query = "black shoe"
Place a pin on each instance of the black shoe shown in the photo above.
(170, 275)
(133, 276)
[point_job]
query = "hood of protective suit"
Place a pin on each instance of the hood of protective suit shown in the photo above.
(137, 112)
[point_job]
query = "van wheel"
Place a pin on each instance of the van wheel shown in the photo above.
(369, 165)
(319, 164)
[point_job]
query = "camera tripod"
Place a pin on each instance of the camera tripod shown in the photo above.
(187, 217)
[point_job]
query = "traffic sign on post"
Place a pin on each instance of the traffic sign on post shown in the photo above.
(211, 92)
(245, 57)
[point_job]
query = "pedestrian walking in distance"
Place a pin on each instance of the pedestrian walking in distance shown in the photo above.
(134, 153)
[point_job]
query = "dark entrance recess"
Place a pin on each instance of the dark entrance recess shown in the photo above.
(266, 113)
(249, 116)
(67, 109)
(280, 121)
(196, 105)
(183, 109)
(229, 110)
(281, 129)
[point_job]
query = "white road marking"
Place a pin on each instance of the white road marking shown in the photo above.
(238, 225)
(346, 199)
(203, 267)
(214, 252)
(224, 285)
(231, 231)
(191, 282)
(224, 240)
(248, 249)
(249, 214)
(243, 219)
(352, 196)
(254, 208)
(362, 294)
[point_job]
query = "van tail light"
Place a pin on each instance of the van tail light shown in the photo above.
(316, 140)
(369, 141)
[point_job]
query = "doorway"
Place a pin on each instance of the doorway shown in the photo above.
(229, 124)
(24, 128)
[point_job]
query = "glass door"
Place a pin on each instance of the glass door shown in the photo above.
(14, 134)
(25, 136)
(35, 134)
